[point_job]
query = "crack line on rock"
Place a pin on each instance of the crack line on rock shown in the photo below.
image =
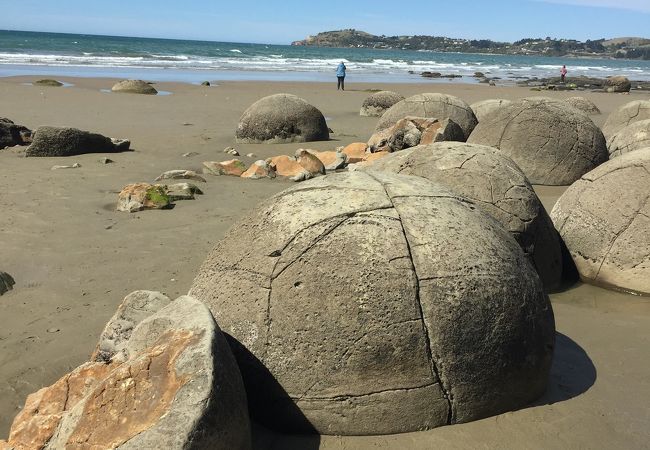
(349, 396)
(625, 228)
(434, 368)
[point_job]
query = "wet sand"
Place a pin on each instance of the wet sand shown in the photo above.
(74, 258)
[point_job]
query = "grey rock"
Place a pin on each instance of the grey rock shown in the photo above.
(231, 151)
(73, 166)
(105, 160)
(635, 136)
(251, 155)
(180, 174)
(189, 154)
(135, 307)
(552, 142)
(48, 82)
(12, 134)
(375, 303)
(134, 87)
(485, 107)
(583, 104)
(379, 102)
(62, 141)
(182, 191)
(495, 184)
(281, 118)
(617, 84)
(604, 219)
(6, 282)
(205, 83)
(439, 106)
(625, 115)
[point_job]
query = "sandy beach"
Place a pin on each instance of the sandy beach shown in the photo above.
(74, 258)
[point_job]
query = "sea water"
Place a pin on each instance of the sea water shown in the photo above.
(30, 53)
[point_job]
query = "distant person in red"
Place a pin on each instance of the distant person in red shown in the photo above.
(563, 73)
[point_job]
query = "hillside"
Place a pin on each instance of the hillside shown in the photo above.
(626, 47)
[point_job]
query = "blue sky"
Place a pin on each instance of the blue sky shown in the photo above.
(281, 22)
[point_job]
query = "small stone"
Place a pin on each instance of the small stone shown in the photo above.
(48, 82)
(53, 330)
(231, 167)
(73, 166)
(189, 154)
(6, 282)
(140, 196)
(231, 151)
(251, 155)
(205, 83)
(106, 161)
(180, 174)
(182, 191)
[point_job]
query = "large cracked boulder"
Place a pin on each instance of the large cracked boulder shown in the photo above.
(281, 118)
(583, 104)
(379, 102)
(552, 142)
(374, 303)
(635, 136)
(63, 141)
(485, 107)
(431, 106)
(604, 219)
(625, 115)
(12, 134)
(497, 186)
(170, 382)
(134, 87)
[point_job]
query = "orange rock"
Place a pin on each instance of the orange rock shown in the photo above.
(287, 166)
(378, 142)
(430, 133)
(232, 167)
(310, 162)
(139, 196)
(35, 425)
(259, 169)
(332, 160)
(356, 152)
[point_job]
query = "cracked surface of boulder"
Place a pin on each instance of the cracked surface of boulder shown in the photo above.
(377, 104)
(438, 106)
(12, 134)
(604, 219)
(583, 104)
(553, 143)
(625, 115)
(134, 87)
(497, 185)
(63, 141)
(374, 303)
(177, 387)
(635, 136)
(485, 107)
(281, 118)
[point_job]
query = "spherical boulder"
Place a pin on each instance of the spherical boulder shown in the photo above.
(553, 143)
(583, 104)
(134, 87)
(604, 219)
(635, 136)
(379, 102)
(281, 118)
(437, 106)
(625, 115)
(485, 107)
(375, 303)
(497, 185)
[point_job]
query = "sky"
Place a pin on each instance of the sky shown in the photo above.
(280, 22)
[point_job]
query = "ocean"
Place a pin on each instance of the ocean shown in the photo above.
(55, 54)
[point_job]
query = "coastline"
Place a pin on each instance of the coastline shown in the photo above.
(74, 258)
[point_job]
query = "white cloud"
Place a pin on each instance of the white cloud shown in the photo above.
(634, 5)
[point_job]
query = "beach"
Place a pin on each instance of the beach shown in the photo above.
(74, 258)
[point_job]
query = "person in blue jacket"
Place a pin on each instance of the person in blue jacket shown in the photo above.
(340, 74)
